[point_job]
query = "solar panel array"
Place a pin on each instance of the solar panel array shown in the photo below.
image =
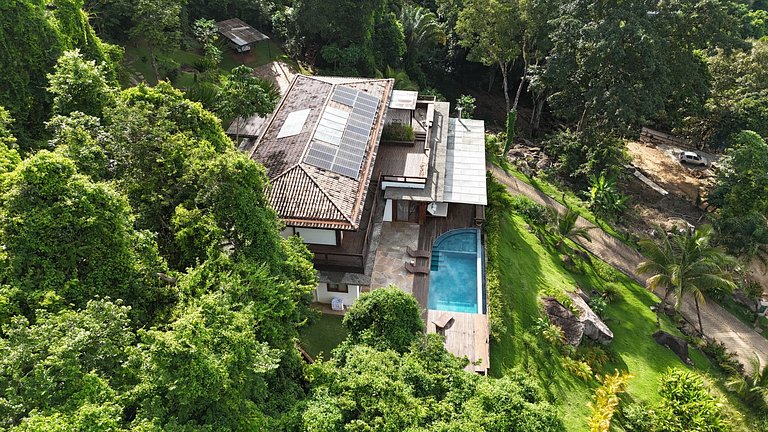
(341, 148)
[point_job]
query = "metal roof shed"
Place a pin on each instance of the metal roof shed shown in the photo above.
(240, 35)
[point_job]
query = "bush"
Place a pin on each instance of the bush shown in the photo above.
(607, 400)
(578, 155)
(532, 212)
(578, 368)
(594, 355)
(598, 305)
(719, 354)
(386, 318)
(398, 132)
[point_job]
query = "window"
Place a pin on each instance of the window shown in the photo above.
(339, 288)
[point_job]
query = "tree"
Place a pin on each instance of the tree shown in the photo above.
(615, 68)
(67, 240)
(579, 155)
(422, 32)
(564, 226)
(742, 194)
(64, 363)
(9, 157)
(385, 318)
(465, 104)
(686, 264)
(509, 136)
(243, 95)
(425, 388)
(490, 29)
(738, 99)
(79, 85)
(158, 25)
(31, 39)
(207, 33)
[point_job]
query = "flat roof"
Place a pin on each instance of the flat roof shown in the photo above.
(239, 32)
(465, 162)
(404, 99)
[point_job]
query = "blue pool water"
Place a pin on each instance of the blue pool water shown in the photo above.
(456, 263)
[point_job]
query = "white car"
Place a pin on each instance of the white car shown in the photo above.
(692, 158)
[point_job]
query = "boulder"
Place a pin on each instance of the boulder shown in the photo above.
(594, 327)
(678, 345)
(561, 316)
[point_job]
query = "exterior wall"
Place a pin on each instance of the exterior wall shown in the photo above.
(312, 235)
(322, 295)
(388, 211)
(403, 185)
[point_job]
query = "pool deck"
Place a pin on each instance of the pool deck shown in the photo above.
(466, 335)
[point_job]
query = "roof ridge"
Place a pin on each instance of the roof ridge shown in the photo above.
(326, 195)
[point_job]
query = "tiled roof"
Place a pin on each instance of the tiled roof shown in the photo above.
(305, 195)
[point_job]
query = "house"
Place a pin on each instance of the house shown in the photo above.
(240, 35)
(337, 179)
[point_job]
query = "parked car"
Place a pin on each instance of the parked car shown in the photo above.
(692, 158)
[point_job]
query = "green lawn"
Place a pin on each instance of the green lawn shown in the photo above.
(137, 60)
(567, 198)
(528, 270)
(323, 335)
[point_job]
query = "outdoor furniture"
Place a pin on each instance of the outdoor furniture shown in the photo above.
(420, 253)
(413, 268)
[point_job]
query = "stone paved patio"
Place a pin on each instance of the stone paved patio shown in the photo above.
(391, 255)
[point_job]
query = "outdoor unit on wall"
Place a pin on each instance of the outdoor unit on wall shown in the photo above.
(438, 209)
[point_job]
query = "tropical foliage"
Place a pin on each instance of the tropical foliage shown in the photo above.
(686, 264)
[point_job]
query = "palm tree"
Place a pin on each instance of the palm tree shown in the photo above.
(753, 387)
(564, 226)
(686, 263)
(422, 31)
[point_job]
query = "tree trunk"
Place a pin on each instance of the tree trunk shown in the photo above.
(538, 109)
(698, 313)
(522, 80)
(503, 67)
(661, 308)
(154, 64)
(237, 131)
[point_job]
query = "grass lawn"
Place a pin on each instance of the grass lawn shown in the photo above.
(137, 60)
(567, 198)
(527, 271)
(323, 335)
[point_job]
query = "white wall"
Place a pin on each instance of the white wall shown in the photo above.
(323, 296)
(388, 211)
(312, 235)
(402, 185)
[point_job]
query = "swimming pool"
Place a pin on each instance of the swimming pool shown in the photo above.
(456, 279)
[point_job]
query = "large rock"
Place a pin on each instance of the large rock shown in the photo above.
(678, 345)
(561, 316)
(594, 327)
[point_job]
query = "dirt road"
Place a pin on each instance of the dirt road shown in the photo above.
(718, 323)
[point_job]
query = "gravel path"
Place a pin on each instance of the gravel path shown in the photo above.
(718, 323)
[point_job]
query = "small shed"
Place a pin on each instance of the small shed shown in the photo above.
(241, 36)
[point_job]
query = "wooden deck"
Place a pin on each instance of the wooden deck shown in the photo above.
(466, 335)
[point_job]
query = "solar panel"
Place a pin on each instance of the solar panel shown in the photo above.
(341, 137)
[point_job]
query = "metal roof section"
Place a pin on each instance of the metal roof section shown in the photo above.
(465, 162)
(294, 123)
(239, 32)
(404, 99)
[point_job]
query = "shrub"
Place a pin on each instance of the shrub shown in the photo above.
(578, 368)
(686, 405)
(605, 271)
(594, 355)
(607, 400)
(598, 305)
(532, 212)
(719, 354)
(398, 132)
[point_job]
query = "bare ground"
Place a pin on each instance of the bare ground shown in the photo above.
(687, 187)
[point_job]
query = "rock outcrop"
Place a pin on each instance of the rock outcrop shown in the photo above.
(594, 327)
(678, 345)
(561, 316)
